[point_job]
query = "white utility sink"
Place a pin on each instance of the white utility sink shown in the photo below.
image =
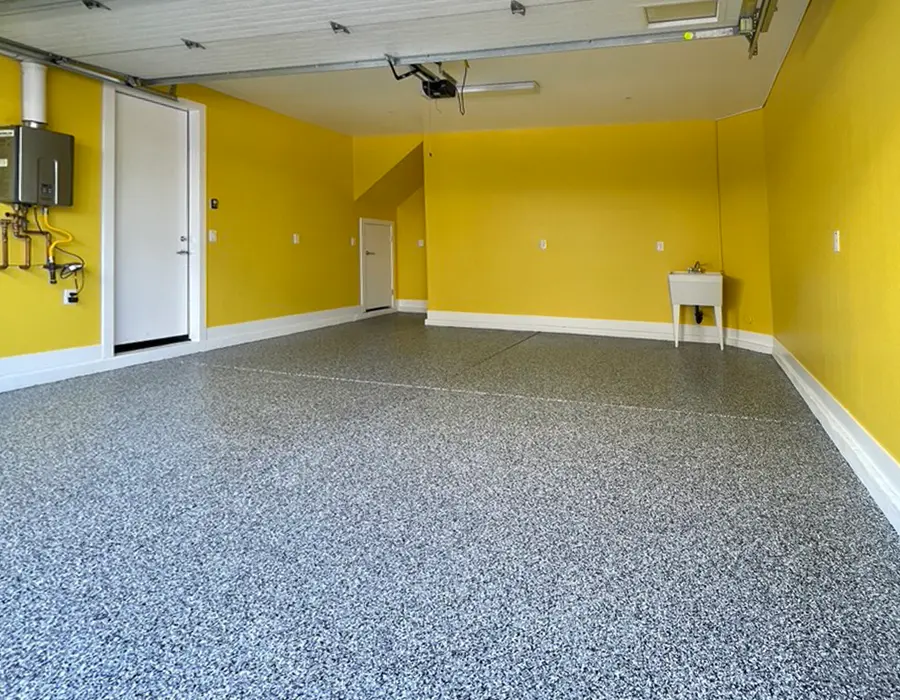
(696, 289)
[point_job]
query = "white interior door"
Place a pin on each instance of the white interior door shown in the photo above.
(378, 272)
(151, 223)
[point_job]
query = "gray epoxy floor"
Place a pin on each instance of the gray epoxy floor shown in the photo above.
(380, 510)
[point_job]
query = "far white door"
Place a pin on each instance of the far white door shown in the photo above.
(377, 250)
(151, 224)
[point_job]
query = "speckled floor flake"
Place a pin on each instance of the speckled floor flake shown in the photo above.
(381, 510)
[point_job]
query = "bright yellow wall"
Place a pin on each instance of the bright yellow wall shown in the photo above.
(833, 153)
(600, 196)
(384, 199)
(374, 156)
(381, 199)
(32, 314)
(411, 276)
(293, 178)
(745, 222)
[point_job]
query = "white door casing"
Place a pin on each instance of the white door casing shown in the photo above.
(196, 215)
(151, 221)
(376, 264)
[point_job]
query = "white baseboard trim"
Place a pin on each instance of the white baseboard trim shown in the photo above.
(22, 371)
(756, 342)
(239, 333)
(873, 465)
(412, 306)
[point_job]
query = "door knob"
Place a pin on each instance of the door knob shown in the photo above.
(369, 252)
(182, 252)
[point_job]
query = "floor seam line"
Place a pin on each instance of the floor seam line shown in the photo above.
(493, 355)
(476, 392)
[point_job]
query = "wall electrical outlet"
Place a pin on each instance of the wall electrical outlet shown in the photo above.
(836, 241)
(295, 238)
(213, 235)
(660, 246)
(543, 244)
(70, 296)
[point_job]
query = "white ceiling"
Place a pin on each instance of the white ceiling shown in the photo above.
(709, 79)
(143, 37)
(690, 80)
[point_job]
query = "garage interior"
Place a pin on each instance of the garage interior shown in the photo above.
(539, 349)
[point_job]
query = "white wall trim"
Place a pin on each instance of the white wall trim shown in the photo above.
(196, 212)
(23, 371)
(239, 333)
(756, 342)
(412, 306)
(873, 465)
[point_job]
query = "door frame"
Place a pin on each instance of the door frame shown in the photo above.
(362, 267)
(196, 216)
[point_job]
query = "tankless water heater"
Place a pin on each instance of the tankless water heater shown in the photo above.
(36, 167)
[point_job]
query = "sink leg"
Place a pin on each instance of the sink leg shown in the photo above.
(676, 321)
(721, 328)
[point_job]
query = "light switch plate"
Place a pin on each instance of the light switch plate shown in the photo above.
(352, 242)
(213, 235)
(836, 241)
(295, 238)
(421, 243)
(660, 246)
(543, 244)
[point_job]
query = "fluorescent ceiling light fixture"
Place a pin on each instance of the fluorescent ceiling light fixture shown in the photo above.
(494, 88)
(682, 13)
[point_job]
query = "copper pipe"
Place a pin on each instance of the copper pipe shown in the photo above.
(4, 244)
(48, 239)
(19, 223)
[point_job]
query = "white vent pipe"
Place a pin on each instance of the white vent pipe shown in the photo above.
(34, 94)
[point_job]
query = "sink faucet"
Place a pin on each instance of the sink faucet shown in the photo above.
(696, 267)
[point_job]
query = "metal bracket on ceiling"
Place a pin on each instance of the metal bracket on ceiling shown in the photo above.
(517, 8)
(191, 44)
(339, 28)
(758, 23)
(415, 69)
(95, 5)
